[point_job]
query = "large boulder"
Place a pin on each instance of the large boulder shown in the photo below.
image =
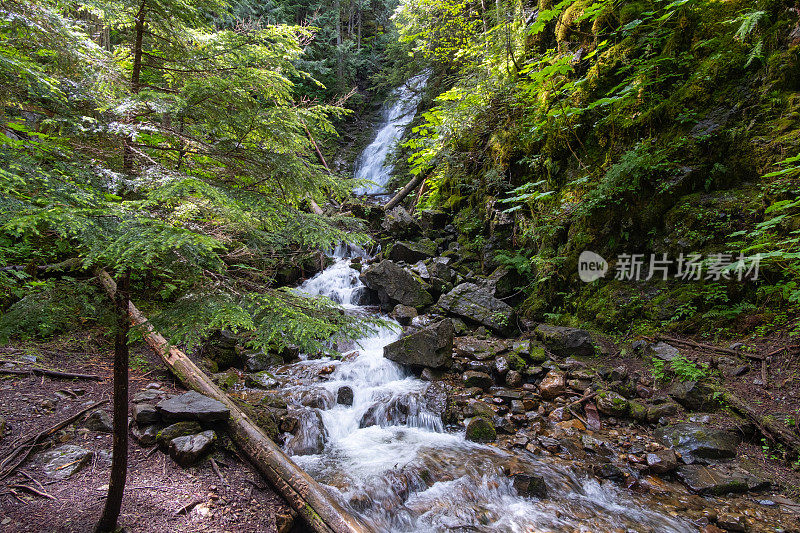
(62, 462)
(187, 450)
(400, 223)
(481, 429)
(698, 443)
(394, 284)
(662, 350)
(310, 434)
(430, 347)
(478, 304)
(693, 395)
(564, 341)
(719, 479)
(412, 251)
(193, 406)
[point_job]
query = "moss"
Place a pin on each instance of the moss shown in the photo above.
(538, 355)
(481, 430)
(516, 362)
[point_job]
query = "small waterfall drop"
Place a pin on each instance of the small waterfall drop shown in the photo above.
(396, 115)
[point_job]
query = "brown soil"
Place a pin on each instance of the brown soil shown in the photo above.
(156, 487)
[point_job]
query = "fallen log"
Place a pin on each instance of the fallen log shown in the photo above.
(404, 192)
(320, 511)
(48, 373)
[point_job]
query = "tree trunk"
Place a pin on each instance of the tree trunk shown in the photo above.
(127, 155)
(403, 193)
(321, 512)
(359, 28)
(119, 460)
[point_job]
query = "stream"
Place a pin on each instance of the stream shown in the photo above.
(387, 456)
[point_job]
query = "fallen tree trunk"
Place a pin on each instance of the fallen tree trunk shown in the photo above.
(404, 192)
(311, 501)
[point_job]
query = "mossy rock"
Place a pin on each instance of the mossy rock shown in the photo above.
(481, 430)
(538, 355)
(178, 429)
(516, 362)
(613, 404)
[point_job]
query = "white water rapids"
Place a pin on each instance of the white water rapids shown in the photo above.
(389, 460)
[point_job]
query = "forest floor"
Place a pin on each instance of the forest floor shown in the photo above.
(157, 489)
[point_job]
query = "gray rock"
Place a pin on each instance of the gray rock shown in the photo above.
(411, 252)
(193, 406)
(478, 304)
(100, 421)
(662, 461)
(662, 350)
(258, 361)
(344, 396)
(148, 395)
(187, 450)
(698, 443)
(145, 414)
(179, 429)
(719, 479)
(663, 410)
(62, 462)
(477, 379)
(430, 347)
(693, 395)
(261, 380)
(439, 268)
(146, 435)
(514, 379)
(400, 223)
(564, 341)
(394, 284)
(530, 485)
(404, 314)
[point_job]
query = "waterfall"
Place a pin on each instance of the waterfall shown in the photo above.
(396, 115)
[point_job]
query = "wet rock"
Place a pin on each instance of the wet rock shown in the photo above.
(661, 461)
(719, 479)
(478, 304)
(62, 462)
(261, 380)
(693, 395)
(411, 252)
(612, 404)
(193, 406)
(732, 522)
(145, 435)
(662, 410)
(564, 341)
(662, 350)
(478, 408)
(553, 385)
(610, 471)
(477, 379)
(310, 434)
(696, 442)
(481, 430)
(400, 223)
(145, 414)
(514, 379)
(501, 366)
(344, 396)
(317, 398)
(258, 361)
(530, 485)
(395, 284)
(430, 347)
(179, 429)
(187, 450)
(404, 314)
(99, 421)
(430, 374)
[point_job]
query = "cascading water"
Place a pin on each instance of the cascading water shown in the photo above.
(371, 164)
(386, 455)
(389, 459)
